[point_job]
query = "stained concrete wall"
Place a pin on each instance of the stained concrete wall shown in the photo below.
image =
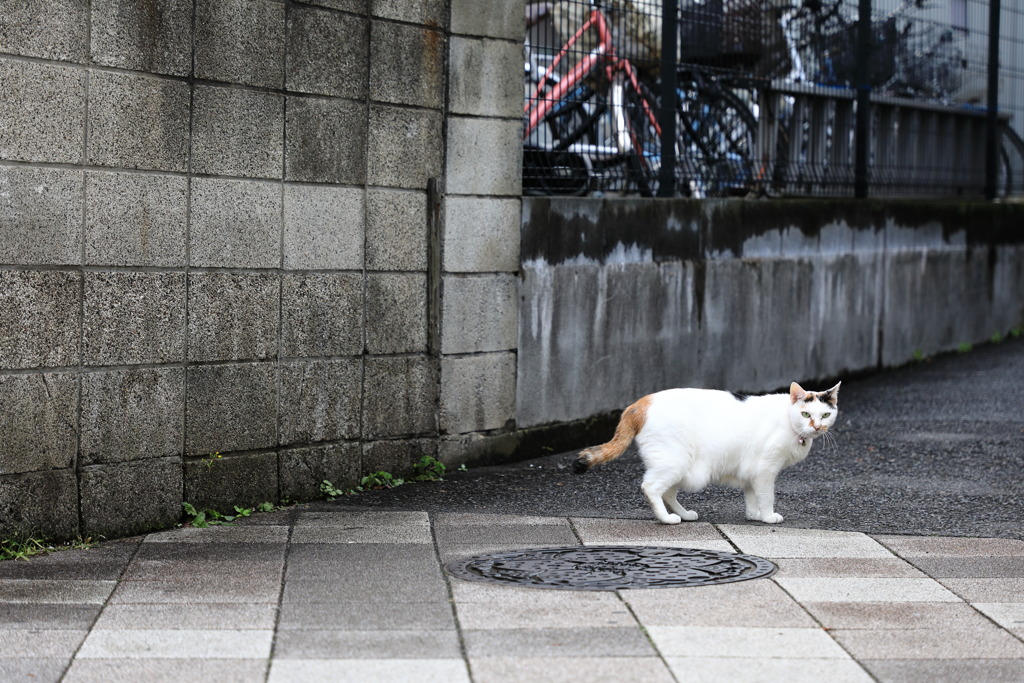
(223, 228)
(621, 298)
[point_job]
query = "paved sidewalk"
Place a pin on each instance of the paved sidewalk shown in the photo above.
(321, 593)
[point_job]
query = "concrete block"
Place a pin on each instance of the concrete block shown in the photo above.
(135, 220)
(478, 392)
(321, 314)
(155, 37)
(42, 112)
(40, 216)
(481, 234)
(39, 504)
(396, 230)
(328, 53)
(485, 77)
(50, 30)
(246, 480)
(138, 122)
(240, 41)
(502, 20)
(404, 148)
(37, 422)
(396, 457)
(397, 50)
(235, 223)
(396, 312)
(238, 132)
(426, 12)
(326, 141)
(323, 228)
(498, 141)
(130, 498)
(133, 318)
(399, 395)
(39, 318)
(479, 313)
(320, 400)
(233, 316)
(304, 469)
(132, 415)
(230, 408)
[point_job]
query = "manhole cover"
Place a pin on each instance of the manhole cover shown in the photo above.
(608, 568)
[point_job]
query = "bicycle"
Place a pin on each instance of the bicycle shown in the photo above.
(595, 128)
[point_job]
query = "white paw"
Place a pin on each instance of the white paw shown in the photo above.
(772, 518)
(671, 519)
(689, 515)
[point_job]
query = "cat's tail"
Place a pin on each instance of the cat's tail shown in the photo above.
(630, 424)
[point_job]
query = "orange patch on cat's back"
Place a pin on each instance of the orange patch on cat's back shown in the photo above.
(636, 415)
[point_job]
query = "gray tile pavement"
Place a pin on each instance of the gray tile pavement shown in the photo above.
(348, 595)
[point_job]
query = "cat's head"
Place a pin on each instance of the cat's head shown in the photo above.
(812, 413)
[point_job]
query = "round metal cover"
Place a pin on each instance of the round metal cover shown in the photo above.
(608, 568)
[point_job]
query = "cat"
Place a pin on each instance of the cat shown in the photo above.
(689, 438)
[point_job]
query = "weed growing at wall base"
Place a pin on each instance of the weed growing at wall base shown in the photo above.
(426, 468)
(22, 549)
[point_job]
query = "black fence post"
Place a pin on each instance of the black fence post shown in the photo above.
(669, 97)
(862, 132)
(992, 112)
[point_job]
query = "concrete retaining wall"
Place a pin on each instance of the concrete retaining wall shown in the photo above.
(621, 298)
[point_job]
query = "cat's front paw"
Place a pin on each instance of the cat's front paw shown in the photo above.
(772, 518)
(670, 519)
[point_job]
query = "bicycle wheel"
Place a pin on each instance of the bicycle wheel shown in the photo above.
(718, 138)
(555, 153)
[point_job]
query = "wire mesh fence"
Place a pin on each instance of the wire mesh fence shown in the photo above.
(774, 97)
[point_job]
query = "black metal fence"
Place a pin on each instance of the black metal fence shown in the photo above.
(781, 97)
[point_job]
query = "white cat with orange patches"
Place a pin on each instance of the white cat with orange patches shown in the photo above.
(689, 438)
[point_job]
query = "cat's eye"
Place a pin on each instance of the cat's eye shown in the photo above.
(805, 414)
(824, 415)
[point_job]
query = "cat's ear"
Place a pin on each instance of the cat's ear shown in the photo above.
(832, 395)
(796, 392)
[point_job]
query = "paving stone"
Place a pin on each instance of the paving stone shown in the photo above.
(183, 545)
(33, 669)
(42, 617)
(45, 591)
(755, 603)
(349, 517)
(767, 670)
(866, 590)
(524, 536)
(569, 669)
(170, 644)
(923, 546)
(362, 615)
(189, 617)
(482, 616)
(44, 644)
(987, 590)
(413, 589)
(557, 642)
(972, 567)
(770, 542)
(185, 592)
(750, 643)
(470, 592)
(932, 670)
(989, 642)
(366, 534)
(369, 670)
(222, 534)
(488, 520)
(367, 644)
(895, 615)
(648, 532)
(827, 567)
(166, 670)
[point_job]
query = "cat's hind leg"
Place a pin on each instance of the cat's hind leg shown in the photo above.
(672, 503)
(656, 487)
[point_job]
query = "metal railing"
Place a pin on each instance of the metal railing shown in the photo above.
(782, 97)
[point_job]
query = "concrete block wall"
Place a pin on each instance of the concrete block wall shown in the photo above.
(216, 236)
